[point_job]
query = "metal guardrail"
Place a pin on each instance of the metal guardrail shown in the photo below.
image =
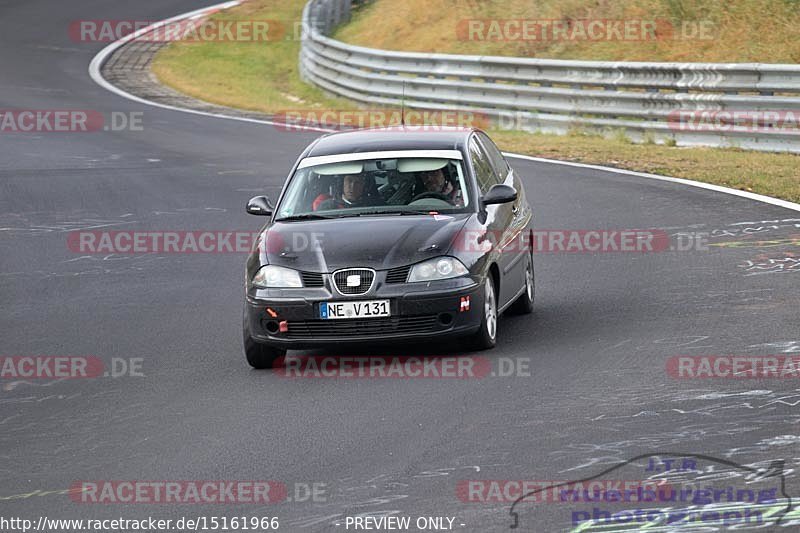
(747, 105)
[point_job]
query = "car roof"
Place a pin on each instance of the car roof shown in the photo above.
(391, 139)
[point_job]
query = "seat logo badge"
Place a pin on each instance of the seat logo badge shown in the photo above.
(353, 280)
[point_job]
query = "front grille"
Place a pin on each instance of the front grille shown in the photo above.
(311, 279)
(398, 275)
(358, 327)
(365, 278)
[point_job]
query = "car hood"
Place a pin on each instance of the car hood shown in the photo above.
(373, 242)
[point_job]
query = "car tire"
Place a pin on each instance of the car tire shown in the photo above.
(486, 337)
(523, 305)
(260, 355)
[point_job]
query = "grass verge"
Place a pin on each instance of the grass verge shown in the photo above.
(264, 77)
(259, 76)
(736, 31)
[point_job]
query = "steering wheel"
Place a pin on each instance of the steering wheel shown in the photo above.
(432, 194)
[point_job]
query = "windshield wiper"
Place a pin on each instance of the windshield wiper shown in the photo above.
(397, 212)
(306, 216)
(390, 212)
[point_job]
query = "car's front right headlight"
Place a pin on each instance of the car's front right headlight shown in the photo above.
(277, 277)
(437, 268)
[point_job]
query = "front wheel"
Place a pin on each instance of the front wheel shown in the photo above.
(259, 355)
(486, 336)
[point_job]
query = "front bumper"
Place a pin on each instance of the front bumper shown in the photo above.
(419, 311)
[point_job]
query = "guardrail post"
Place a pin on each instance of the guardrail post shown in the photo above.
(336, 14)
(347, 8)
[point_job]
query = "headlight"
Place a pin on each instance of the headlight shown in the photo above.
(439, 268)
(271, 276)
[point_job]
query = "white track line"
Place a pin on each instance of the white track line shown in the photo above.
(691, 183)
(105, 53)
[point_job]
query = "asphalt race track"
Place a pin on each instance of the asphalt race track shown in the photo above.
(605, 325)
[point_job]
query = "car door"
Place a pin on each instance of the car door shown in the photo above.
(519, 243)
(498, 217)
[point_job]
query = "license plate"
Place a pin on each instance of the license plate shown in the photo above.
(363, 309)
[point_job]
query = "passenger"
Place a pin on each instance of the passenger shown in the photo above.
(353, 194)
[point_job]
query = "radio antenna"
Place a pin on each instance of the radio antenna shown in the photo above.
(403, 106)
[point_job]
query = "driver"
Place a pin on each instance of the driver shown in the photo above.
(434, 181)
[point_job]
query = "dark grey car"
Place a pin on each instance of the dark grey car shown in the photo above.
(389, 235)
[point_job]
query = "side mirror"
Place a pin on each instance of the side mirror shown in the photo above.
(499, 194)
(259, 205)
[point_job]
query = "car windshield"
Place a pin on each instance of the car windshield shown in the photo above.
(405, 185)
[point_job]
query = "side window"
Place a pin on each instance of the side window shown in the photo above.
(495, 157)
(484, 172)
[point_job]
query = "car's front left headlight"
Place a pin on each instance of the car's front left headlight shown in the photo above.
(438, 268)
(276, 277)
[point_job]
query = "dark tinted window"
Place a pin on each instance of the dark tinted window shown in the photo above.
(496, 159)
(484, 172)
